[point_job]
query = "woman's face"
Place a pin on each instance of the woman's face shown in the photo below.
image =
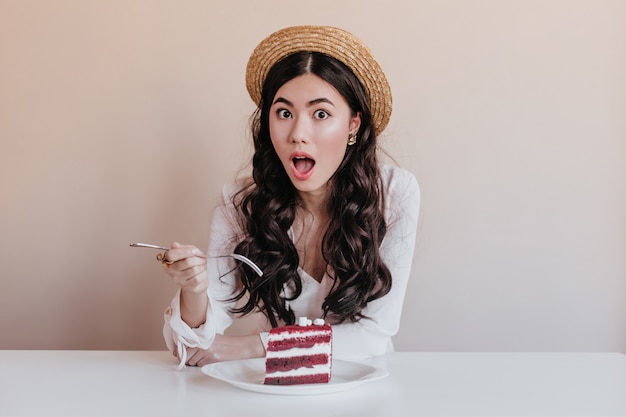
(310, 122)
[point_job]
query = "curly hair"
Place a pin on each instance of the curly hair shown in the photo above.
(267, 207)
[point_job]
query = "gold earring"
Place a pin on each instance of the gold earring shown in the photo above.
(351, 139)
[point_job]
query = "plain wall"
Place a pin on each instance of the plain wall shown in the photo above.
(120, 121)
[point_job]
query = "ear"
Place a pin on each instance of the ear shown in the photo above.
(355, 123)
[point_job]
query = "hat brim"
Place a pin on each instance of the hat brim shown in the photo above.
(335, 42)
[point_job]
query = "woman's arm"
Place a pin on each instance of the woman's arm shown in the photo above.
(189, 272)
(200, 309)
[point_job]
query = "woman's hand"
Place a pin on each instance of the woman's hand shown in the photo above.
(189, 272)
(226, 348)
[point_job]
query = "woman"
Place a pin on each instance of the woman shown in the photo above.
(332, 229)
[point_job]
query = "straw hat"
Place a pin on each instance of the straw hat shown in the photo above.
(332, 41)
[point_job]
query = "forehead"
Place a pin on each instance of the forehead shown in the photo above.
(307, 87)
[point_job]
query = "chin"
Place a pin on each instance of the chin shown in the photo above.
(310, 187)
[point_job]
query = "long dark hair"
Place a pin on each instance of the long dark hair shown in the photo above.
(267, 207)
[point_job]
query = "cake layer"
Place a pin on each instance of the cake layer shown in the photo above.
(292, 380)
(295, 362)
(325, 348)
(288, 340)
(315, 369)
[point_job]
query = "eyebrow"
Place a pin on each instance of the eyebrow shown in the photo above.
(309, 104)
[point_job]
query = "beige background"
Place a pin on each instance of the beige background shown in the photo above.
(120, 120)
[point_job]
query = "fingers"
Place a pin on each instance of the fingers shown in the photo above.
(193, 280)
(186, 268)
(199, 357)
(189, 266)
(179, 252)
(226, 348)
(190, 276)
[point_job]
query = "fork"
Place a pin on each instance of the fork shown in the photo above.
(236, 256)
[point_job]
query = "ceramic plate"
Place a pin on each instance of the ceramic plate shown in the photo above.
(248, 374)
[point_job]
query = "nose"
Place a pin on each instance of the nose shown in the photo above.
(298, 139)
(300, 131)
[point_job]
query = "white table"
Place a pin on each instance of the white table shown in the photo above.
(145, 383)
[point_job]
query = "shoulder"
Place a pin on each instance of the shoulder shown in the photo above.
(232, 189)
(228, 203)
(402, 197)
(398, 183)
(226, 224)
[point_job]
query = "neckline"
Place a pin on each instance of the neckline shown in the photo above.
(310, 278)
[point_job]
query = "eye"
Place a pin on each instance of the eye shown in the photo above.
(321, 114)
(283, 113)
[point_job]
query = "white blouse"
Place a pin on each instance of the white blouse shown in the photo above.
(369, 337)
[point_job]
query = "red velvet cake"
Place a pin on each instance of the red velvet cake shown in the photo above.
(299, 353)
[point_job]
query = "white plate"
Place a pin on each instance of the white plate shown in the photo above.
(248, 374)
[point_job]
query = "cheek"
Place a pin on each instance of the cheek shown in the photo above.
(333, 153)
(280, 145)
(275, 135)
(334, 140)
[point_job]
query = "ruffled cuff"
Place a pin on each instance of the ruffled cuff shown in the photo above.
(179, 335)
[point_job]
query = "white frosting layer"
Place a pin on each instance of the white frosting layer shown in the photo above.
(315, 370)
(292, 335)
(318, 349)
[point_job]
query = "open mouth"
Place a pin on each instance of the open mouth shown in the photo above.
(303, 164)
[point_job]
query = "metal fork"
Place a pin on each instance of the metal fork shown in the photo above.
(236, 256)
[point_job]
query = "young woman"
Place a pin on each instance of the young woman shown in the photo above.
(332, 228)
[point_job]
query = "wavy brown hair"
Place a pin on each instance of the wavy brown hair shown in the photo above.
(267, 207)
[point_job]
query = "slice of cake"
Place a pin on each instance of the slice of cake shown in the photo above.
(299, 353)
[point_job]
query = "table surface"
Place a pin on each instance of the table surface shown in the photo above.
(145, 383)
